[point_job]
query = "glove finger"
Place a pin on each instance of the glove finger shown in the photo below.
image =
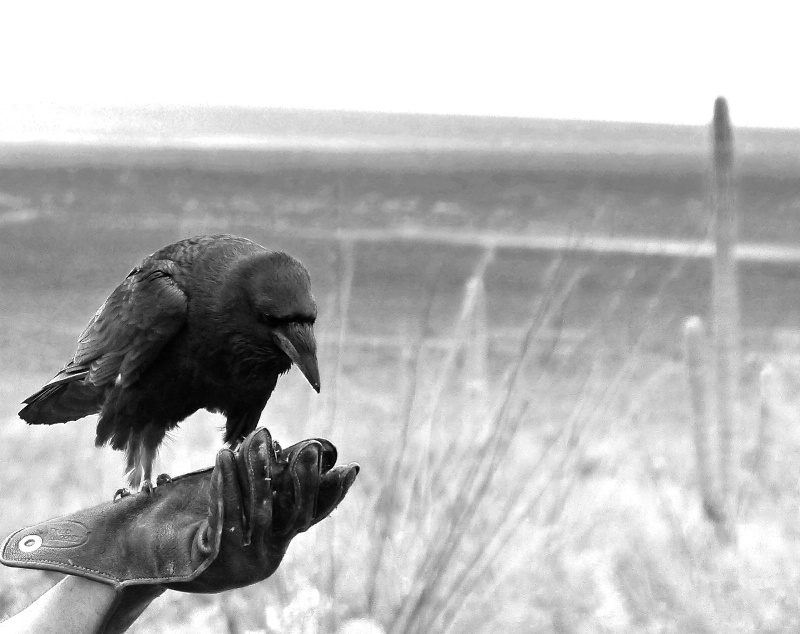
(334, 486)
(225, 504)
(255, 462)
(329, 452)
(296, 488)
(306, 469)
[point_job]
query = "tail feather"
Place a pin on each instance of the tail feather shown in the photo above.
(62, 401)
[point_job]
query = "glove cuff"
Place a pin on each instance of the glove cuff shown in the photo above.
(49, 546)
(98, 543)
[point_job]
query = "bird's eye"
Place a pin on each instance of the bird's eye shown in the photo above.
(267, 320)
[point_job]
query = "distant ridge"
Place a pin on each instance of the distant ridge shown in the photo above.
(166, 134)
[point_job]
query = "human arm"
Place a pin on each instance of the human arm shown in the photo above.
(81, 606)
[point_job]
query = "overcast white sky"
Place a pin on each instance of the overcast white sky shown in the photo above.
(635, 61)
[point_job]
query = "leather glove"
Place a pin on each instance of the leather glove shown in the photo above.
(207, 531)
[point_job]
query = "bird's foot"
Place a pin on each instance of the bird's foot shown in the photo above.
(146, 487)
(163, 479)
(121, 493)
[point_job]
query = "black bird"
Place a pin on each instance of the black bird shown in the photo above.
(208, 322)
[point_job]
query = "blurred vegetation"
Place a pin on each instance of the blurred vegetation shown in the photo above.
(523, 420)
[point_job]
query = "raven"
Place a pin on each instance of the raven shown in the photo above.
(208, 322)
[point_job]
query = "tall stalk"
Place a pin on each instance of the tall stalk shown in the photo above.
(725, 306)
(699, 382)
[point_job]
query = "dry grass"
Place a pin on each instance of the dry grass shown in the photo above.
(554, 495)
(540, 482)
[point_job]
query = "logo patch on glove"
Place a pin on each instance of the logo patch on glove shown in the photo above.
(57, 535)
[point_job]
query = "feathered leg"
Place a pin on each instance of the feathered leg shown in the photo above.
(239, 425)
(141, 452)
(133, 460)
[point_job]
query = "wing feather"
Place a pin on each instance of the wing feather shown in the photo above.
(131, 327)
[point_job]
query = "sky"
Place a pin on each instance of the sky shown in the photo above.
(661, 62)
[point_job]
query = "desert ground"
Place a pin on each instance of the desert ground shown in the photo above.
(521, 418)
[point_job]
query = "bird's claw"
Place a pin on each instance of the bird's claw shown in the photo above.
(164, 478)
(121, 493)
(147, 487)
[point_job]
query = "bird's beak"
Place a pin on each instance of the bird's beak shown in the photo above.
(297, 341)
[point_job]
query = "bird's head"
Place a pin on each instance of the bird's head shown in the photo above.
(282, 310)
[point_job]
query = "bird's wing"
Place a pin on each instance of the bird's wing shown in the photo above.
(131, 327)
